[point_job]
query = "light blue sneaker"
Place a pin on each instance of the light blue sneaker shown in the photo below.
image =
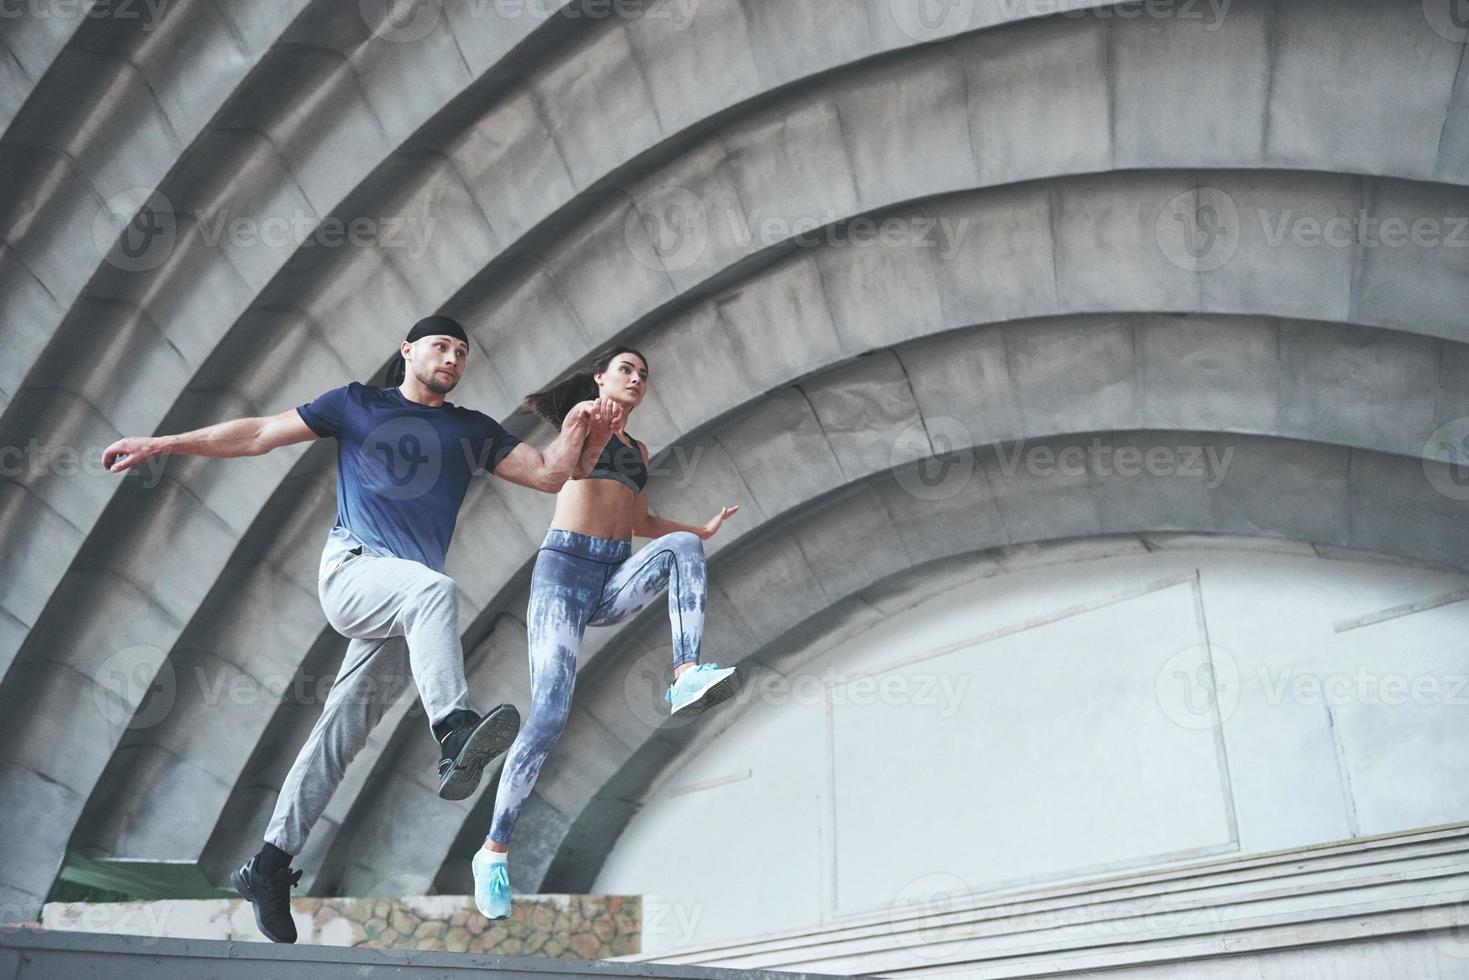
(700, 687)
(491, 886)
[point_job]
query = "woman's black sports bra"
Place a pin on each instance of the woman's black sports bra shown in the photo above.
(622, 463)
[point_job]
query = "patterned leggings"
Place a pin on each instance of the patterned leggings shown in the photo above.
(580, 581)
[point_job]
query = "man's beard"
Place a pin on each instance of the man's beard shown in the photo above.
(432, 383)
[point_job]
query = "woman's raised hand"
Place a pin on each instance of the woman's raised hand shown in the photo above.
(612, 415)
(713, 526)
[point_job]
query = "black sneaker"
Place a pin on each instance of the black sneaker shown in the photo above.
(472, 746)
(270, 894)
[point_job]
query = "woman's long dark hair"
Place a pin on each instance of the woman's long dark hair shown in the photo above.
(554, 402)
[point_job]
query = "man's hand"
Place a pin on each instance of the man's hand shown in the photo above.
(610, 418)
(134, 451)
(599, 415)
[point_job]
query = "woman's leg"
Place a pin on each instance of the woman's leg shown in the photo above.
(674, 561)
(564, 588)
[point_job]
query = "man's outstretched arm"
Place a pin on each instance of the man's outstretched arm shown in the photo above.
(238, 437)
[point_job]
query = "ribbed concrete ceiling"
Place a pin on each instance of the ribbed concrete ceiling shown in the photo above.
(1099, 227)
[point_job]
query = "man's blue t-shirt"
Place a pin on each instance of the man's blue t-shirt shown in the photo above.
(403, 468)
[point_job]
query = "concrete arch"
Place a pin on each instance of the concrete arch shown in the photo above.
(223, 510)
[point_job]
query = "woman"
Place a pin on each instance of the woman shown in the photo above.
(586, 575)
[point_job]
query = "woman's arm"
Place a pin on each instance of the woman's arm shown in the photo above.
(646, 525)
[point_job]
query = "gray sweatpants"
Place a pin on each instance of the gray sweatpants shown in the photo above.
(378, 601)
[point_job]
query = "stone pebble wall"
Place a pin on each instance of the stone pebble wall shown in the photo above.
(584, 927)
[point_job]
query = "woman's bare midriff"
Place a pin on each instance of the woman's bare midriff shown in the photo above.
(599, 507)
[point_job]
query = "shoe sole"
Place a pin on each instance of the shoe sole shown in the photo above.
(493, 736)
(238, 881)
(716, 693)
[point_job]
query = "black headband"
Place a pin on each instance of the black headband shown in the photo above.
(436, 326)
(429, 326)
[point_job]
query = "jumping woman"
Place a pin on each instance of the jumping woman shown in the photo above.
(586, 574)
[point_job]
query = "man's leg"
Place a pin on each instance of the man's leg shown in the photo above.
(373, 597)
(402, 618)
(374, 673)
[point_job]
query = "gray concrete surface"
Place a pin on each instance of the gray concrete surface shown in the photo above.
(34, 954)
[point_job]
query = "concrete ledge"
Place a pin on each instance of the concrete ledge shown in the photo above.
(574, 927)
(33, 954)
(1382, 906)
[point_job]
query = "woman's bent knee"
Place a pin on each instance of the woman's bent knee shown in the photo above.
(686, 541)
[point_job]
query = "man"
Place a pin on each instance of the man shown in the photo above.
(405, 456)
